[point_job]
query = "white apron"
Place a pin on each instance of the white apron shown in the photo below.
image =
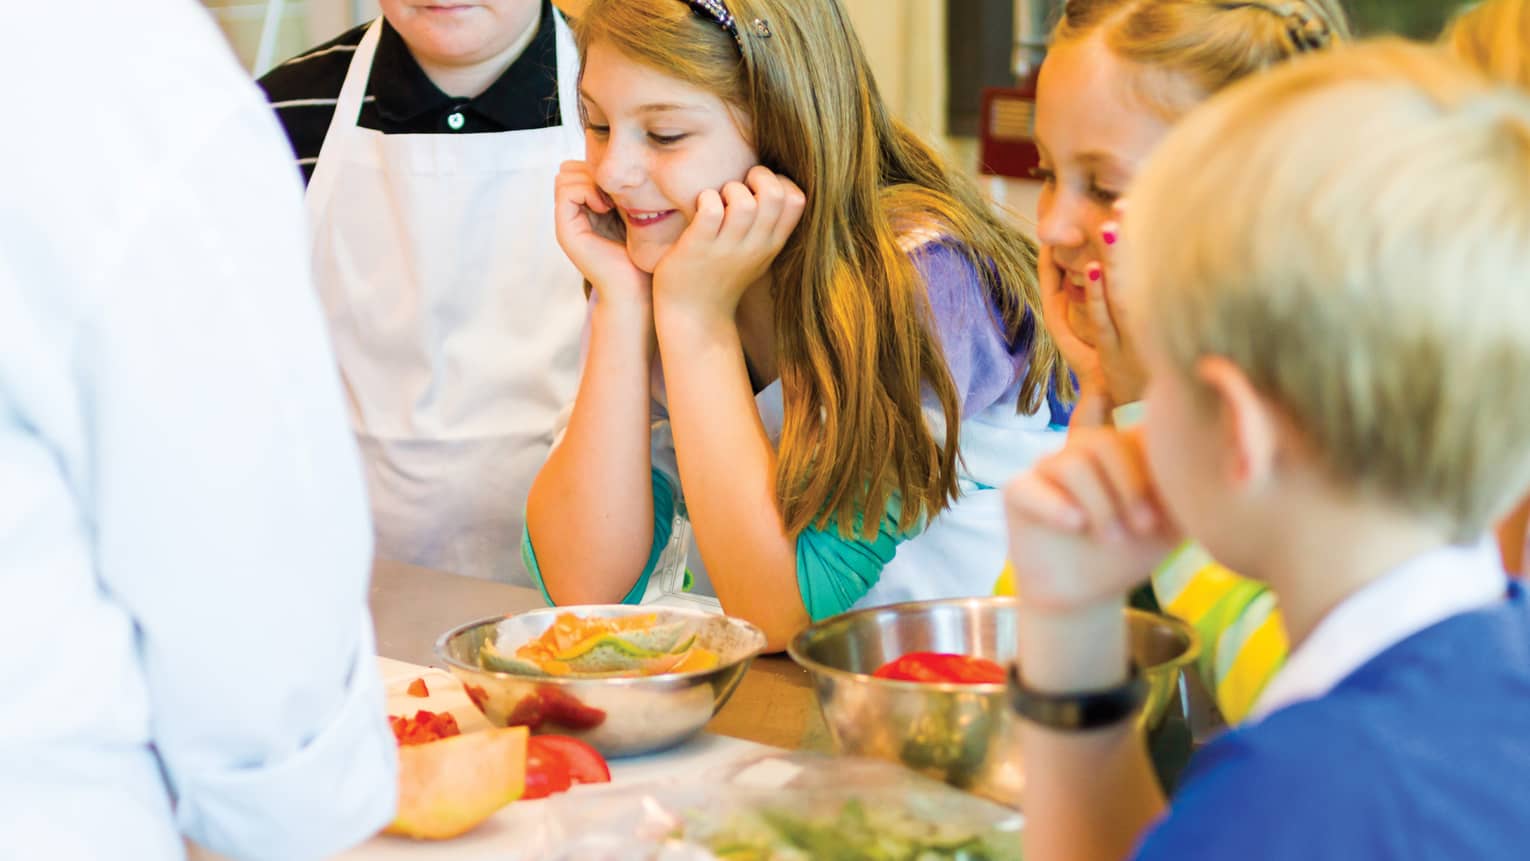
(455, 319)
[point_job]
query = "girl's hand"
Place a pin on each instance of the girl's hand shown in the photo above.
(1120, 368)
(1085, 524)
(1082, 358)
(730, 244)
(594, 238)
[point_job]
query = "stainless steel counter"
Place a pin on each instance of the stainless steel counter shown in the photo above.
(412, 606)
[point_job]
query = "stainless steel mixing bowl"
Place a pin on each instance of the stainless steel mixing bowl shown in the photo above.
(965, 735)
(622, 716)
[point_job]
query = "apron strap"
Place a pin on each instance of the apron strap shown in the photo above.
(568, 77)
(347, 113)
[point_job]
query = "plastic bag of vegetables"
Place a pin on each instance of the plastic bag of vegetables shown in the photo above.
(784, 807)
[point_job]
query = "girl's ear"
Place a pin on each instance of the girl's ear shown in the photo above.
(1248, 425)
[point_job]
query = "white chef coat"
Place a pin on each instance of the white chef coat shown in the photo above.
(184, 543)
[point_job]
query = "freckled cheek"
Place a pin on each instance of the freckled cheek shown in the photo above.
(678, 188)
(1090, 218)
(1044, 202)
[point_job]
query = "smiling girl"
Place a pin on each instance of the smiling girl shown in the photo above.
(806, 332)
(1119, 75)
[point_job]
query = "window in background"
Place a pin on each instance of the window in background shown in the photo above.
(980, 46)
(284, 27)
(1419, 19)
(245, 23)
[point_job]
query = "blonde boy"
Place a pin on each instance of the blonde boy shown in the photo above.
(1495, 36)
(1334, 277)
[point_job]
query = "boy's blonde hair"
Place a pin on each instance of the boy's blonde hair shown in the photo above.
(1374, 283)
(1495, 37)
(1186, 50)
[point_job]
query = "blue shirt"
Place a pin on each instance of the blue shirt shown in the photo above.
(1422, 752)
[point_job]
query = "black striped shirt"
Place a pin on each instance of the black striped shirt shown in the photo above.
(400, 99)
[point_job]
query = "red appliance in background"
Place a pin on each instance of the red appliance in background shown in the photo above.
(1007, 131)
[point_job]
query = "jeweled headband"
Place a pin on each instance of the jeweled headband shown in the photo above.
(717, 13)
(1307, 31)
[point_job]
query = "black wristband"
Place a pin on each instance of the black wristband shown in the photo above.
(1079, 710)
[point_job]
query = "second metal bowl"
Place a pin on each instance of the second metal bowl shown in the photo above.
(965, 735)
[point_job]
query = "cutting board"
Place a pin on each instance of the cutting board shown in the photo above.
(491, 840)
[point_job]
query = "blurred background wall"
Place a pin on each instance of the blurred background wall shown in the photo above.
(932, 58)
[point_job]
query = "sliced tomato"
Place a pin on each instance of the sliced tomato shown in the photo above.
(909, 668)
(585, 764)
(942, 667)
(417, 688)
(546, 771)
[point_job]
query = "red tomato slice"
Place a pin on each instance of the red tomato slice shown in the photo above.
(585, 764)
(981, 671)
(417, 688)
(546, 771)
(909, 668)
(941, 667)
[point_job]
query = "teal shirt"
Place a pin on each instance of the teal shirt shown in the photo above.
(833, 572)
(987, 367)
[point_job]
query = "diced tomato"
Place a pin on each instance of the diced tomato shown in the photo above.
(417, 688)
(478, 695)
(585, 764)
(423, 727)
(942, 668)
(546, 771)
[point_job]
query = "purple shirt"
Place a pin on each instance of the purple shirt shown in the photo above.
(985, 366)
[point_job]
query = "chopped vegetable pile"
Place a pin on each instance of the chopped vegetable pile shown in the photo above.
(625, 646)
(854, 831)
(423, 727)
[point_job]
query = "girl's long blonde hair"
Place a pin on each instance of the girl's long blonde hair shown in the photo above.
(1495, 37)
(855, 339)
(1190, 49)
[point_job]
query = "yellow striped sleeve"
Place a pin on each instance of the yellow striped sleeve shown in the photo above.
(1243, 642)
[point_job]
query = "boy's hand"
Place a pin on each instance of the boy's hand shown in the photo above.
(1085, 525)
(730, 244)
